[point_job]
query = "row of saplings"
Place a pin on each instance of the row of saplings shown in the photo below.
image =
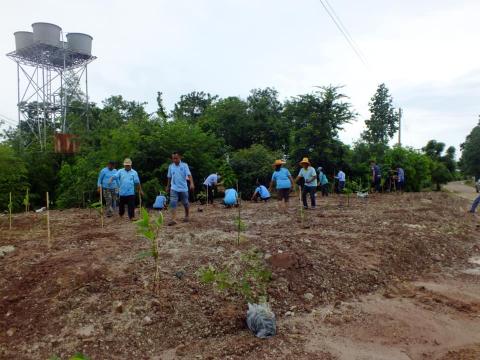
(250, 280)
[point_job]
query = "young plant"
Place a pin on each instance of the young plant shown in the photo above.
(249, 279)
(150, 229)
(77, 356)
(26, 202)
(99, 207)
(240, 226)
(202, 197)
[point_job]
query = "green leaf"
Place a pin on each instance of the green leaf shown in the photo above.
(79, 356)
(159, 220)
(207, 275)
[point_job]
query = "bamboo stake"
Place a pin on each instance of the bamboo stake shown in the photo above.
(10, 211)
(239, 217)
(101, 205)
(48, 222)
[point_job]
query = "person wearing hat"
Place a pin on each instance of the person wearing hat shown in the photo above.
(283, 181)
(108, 189)
(309, 175)
(323, 181)
(127, 179)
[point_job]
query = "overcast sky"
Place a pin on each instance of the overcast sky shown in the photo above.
(427, 52)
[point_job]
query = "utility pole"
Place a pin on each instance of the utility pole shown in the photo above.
(399, 126)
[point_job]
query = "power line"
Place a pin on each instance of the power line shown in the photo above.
(346, 30)
(343, 30)
(7, 120)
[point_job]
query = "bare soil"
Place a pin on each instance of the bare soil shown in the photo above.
(383, 278)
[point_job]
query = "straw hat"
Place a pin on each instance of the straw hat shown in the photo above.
(305, 161)
(278, 162)
(127, 161)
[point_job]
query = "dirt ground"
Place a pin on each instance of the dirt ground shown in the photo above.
(459, 188)
(396, 276)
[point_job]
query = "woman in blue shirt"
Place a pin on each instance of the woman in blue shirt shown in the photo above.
(283, 181)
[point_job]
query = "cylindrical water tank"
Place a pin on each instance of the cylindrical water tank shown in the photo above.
(23, 39)
(46, 33)
(80, 43)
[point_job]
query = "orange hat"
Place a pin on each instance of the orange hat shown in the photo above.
(278, 162)
(305, 161)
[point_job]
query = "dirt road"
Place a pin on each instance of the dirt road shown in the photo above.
(460, 189)
(395, 276)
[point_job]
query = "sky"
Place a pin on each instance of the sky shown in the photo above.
(425, 51)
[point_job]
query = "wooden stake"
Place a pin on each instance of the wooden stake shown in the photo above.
(101, 205)
(10, 211)
(49, 243)
(239, 218)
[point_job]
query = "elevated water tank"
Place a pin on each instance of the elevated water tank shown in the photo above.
(46, 33)
(81, 43)
(23, 39)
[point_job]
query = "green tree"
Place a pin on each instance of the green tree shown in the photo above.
(383, 122)
(13, 178)
(192, 106)
(470, 160)
(316, 120)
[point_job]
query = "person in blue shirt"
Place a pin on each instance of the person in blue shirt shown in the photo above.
(210, 184)
(160, 202)
(376, 176)
(475, 204)
(323, 181)
(309, 175)
(108, 189)
(128, 180)
(231, 198)
(283, 182)
(341, 181)
(400, 179)
(261, 192)
(178, 173)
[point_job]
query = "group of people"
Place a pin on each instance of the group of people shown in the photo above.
(125, 183)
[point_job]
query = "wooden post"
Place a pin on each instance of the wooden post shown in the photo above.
(10, 211)
(239, 217)
(101, 205)
(49, 241)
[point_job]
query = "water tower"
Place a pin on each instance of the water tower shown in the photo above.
(51, 71)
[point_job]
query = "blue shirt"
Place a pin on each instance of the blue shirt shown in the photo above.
(307, 175)
(323, 178)
(376, 171)
(160, 202)
(127, 181)
(401, 174)
(211, 180)
(340, 176)
(230, 197)
(281, 178)
(178, 176)
(104, 178)
(263, 192)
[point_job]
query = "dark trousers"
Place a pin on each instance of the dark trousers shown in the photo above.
(130, 202)
(377, 184)
(308, 190)
(324, 189)
(210, 193)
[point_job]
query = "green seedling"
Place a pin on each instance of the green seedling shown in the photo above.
(26, 202)
(99, 207)
(150, 230)
(348, 192)
(202, 197)
(240, 226)
(77, 356)
(249, 280)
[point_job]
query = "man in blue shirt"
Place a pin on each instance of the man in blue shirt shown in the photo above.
(376, 176)
(160, 202)
(400, 179)
(261, 192)
(322, 179)
(107, 188)
(210, 184)
(128, 179)
(231, 198)
(341, 181)
(309, 176)
(178, 173)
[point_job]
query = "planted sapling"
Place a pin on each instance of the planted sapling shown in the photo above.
(150, 229)
(26, 202)
(10, 207)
